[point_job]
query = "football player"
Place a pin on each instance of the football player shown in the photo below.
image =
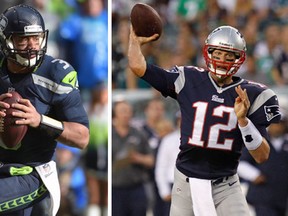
(221, 113)
(51, 107)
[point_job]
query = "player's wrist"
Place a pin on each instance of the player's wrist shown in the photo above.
(51, 127)
(250, 135)
(242, 122)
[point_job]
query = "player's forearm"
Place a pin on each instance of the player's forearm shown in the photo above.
(136, 60)
(261, 154)
(253, 140)
(75, 135)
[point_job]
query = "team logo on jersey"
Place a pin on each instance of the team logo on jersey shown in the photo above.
(71, 78)
(271, 112)
(217, 99)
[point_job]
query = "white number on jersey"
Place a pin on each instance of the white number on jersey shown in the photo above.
(214, 130)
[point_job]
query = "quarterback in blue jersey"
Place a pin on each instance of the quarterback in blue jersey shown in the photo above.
(52, 110)
(221, 114)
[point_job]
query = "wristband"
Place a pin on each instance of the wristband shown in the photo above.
(52, 127)
(251, 136)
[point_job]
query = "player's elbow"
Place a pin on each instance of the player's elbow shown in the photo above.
(261, 154)
(83, 143)
(75, 135)
(262, 158)
(137, 67)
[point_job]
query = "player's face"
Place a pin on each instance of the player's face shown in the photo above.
(26, 51)
(223, 59)
(24, 43)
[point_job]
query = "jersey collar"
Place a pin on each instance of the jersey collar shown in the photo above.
(220, 89)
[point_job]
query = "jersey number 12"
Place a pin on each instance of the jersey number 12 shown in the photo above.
(214, 130)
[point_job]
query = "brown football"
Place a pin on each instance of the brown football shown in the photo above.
(145, 20)
(12, 134)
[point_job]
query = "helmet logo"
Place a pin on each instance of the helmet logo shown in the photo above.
(226, 44)
(3, 23)
(33, 29)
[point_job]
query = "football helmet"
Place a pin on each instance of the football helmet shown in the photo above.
(228, 39)
(22, 20)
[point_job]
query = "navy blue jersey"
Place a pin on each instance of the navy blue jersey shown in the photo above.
(52, 89)
(211, 142)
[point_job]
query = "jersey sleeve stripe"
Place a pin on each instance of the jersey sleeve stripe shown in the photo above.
(180, 81)
(50, 85)
(260, 100)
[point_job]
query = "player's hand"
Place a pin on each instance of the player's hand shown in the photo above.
(29, 114)
(3, 105)
(141, 40)
(242, 104)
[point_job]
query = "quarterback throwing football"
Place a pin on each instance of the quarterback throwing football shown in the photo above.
(221, 113)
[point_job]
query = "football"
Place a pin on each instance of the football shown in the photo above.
(145, 20)
(12, 134)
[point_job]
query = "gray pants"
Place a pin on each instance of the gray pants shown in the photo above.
(227, 196)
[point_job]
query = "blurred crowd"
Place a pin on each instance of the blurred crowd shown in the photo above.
(186, 25)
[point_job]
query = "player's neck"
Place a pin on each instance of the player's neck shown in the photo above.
(17, 69)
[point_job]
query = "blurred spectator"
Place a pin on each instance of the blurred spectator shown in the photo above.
(241, 12)
(185, 48)
(259, 20)
(213, 16)
(164, 127)
(72, 181)
(85, 37)
(250, 71)
(8, 3)
(119, 52)
(96, 155)
(154, 116)
(281, 9)
(154, 112)
(266, 51)
(62, 8)
(280, 70)
(165, 164)
(228, 5)
(52, 23)
(268, 182)
(251, 33)
(191, 10)
(131, 156)
(121, 75)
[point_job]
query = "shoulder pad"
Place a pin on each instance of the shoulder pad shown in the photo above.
(65, 73)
